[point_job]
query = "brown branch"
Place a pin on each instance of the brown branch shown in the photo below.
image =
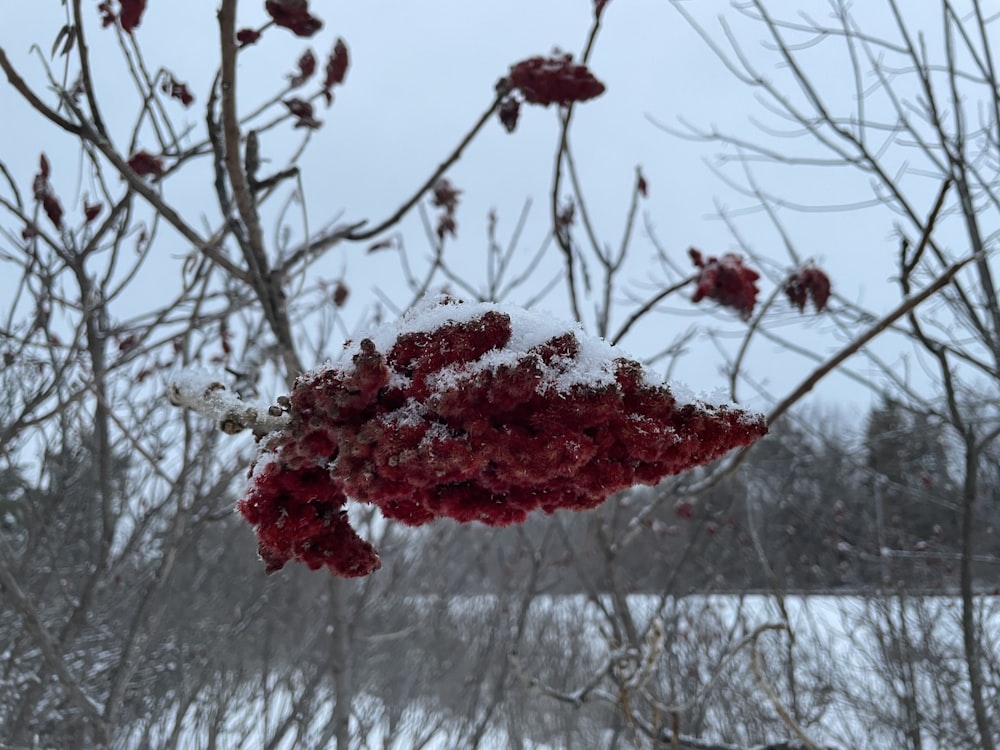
(37, 104)
(900, 310)
(83, 53)
(266, 284)
(561, 238)
(86, 133)
(649, 305)
(429, 183)
(745, 344)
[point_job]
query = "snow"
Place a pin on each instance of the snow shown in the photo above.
(592, 366)
(835, 645)
(264, 459)
(203, 392)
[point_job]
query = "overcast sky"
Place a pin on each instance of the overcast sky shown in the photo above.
(422, 73)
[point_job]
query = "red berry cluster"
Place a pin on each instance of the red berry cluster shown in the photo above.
(808, 283)
(130, 14)
(545, 81)
(299, 514)
(727, 281)
(467, 421)
(553, 80)
(293, 15)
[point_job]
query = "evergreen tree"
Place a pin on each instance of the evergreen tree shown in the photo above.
(911, 484)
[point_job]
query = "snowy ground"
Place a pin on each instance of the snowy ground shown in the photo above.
(839, 642)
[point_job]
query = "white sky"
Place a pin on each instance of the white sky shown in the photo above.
(420, 75)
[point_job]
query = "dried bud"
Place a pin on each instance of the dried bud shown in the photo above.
(340, 294)
(302, 110)
(508, 113)
(307, 67)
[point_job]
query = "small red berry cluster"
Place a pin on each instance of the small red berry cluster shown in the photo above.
(727, 281)
(805, 284)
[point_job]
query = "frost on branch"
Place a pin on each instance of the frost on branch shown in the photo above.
(472, 412)
(202, 393)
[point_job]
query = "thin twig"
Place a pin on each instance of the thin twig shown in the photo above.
(901, 309)
(429, 183)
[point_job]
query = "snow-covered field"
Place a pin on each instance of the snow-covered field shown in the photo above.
(853, 662)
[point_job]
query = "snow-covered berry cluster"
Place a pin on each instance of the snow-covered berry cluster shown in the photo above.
(472, 412)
